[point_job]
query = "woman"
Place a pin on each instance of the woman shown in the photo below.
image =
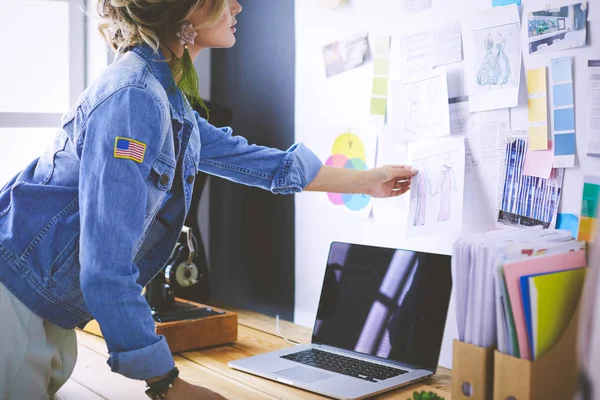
(87, 225)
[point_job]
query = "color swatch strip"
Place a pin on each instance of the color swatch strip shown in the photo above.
(563, 111)
(538, 113)
(379, 95)
(589, 208)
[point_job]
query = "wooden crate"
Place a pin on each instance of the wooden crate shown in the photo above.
(193, 333)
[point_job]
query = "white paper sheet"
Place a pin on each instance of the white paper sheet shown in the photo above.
(420, 106)
(493, 55)
(390, 151)
(436, 195)
(594, 108)
(426, 50)
(481, 168)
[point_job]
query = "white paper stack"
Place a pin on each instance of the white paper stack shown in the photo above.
(481, 302)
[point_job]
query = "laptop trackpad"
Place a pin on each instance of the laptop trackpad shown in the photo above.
(304, 375)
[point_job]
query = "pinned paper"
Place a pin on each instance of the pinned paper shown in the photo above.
(563, 112)
(379, 94)
(346, 54)
(539, 163)
(538, 114)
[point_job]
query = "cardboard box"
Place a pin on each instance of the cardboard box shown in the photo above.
(552, 376)
(472, 372)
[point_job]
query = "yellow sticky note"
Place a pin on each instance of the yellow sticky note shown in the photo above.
(536, 80)
(538, 137)
(537, 110)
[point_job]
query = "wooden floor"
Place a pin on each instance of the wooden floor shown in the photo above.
(92, 378)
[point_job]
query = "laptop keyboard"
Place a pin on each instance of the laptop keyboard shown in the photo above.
(344, 365)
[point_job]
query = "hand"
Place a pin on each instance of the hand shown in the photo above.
(182, 390)
(389, 181)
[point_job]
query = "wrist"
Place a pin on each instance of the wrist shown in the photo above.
(158, 387)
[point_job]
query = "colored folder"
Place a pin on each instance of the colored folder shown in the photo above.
(513, 271)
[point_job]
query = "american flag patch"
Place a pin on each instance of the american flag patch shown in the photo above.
(129, 149)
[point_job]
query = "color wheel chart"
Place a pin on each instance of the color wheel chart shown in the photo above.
(349, 152)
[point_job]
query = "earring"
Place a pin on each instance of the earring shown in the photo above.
(187, 34)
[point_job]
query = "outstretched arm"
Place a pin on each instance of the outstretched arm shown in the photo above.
(388, 181)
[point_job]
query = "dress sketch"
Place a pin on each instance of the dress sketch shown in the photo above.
(423, 103)
(503, 60)
(421, 195)
(412, 121)
(434, 116)
(447, 184)
(490, 72)
(424, 187)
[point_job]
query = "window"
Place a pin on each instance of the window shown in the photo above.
(42, 72)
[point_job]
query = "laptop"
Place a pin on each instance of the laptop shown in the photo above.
(379, 325)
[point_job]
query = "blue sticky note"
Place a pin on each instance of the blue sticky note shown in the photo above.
(564, 144)
(563, 95)
(569, 222)
(561, 69)
(497, 3)
(564, 120)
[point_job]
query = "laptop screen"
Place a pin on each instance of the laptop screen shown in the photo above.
(384, 302)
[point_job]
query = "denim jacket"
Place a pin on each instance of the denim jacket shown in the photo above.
(87, 225)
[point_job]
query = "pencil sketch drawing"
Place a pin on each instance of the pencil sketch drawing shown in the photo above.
(495, 69)
(424, 113)
(447, 184)
(438, 169)
(497, 52)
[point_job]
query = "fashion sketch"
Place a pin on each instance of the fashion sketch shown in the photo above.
(503, 60)
(423, 102)
(446, 186)
(422, 183)
(490, 72)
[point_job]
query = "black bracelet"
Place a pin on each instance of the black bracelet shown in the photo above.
(158, 389)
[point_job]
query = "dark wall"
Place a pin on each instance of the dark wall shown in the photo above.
(252, 230)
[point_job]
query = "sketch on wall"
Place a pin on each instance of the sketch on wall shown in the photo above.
(494, 50)
(436, 195)
(498, 49)
(420, 106)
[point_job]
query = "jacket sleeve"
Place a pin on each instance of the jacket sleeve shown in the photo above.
(112, 193)
(231, 157)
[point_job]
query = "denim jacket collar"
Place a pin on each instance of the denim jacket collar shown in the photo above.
(162, 72)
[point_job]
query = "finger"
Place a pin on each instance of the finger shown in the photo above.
(401, 185)
(400, 192)
(407, 167)
(403, 173)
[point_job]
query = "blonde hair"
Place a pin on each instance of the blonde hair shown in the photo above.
(127, 23)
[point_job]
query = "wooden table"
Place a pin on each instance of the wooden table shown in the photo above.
(93, 380)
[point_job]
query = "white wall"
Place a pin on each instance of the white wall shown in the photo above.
(344, 101)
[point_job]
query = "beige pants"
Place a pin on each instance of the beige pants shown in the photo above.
(36, 356)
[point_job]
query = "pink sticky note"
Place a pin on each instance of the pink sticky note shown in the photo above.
(534, 265)
(539, 162)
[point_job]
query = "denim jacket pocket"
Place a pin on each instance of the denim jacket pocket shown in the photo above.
(160, 181)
